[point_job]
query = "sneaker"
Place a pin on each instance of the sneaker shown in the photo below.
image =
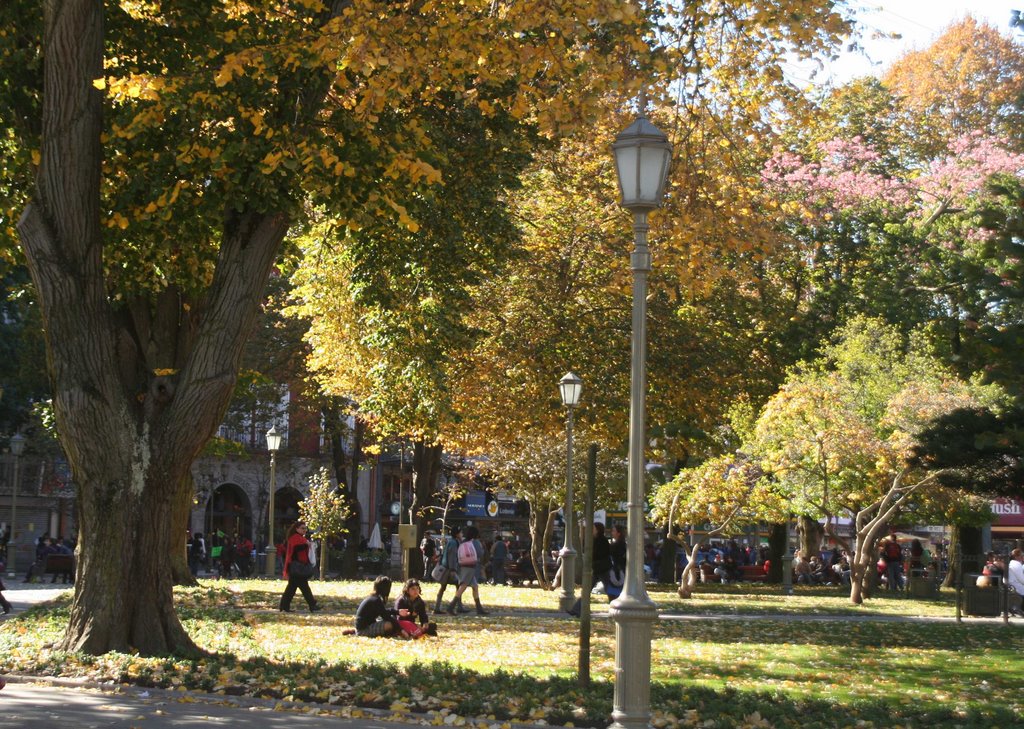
(314, 608)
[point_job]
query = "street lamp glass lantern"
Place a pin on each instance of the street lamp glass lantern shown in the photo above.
(17, 444)
(571, 387)
(273, 440)
(642, 157)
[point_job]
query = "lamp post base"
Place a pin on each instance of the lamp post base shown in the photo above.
(633, 620)
(270, 568)
(567, 597)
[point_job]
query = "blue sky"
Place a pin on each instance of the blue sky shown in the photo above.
(919, 22)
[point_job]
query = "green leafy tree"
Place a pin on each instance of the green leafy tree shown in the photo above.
(326, 513)
(723, 495)
(534, 469)
(838, 437)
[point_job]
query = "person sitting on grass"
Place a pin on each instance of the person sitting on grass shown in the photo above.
(410, 608)
(374, 618)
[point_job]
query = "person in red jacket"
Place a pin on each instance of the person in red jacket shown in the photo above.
(297, 568)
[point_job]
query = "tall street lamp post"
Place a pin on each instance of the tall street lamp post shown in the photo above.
(17, 448)
(642, 156)
(571, 386)
(273, 444)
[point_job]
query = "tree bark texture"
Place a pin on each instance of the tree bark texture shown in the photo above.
(426, 466)
(777, 547)
(667, 558)
(346, 471)
(178, 557)
(130, 434)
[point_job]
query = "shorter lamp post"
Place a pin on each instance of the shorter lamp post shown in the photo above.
(273, 444)
(787, 562)
(642, 156)
(17, 448)
(570, 386)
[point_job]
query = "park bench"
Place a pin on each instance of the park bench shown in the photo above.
(60, 565)
(753, 573)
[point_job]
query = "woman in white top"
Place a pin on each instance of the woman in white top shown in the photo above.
(1015, 578)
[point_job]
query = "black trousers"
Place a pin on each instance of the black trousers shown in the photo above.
(297, 583)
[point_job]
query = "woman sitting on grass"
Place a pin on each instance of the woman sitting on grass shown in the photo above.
(410, 607)
(373, 617)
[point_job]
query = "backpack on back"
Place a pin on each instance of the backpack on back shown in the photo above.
(893, 551)
(467, 554)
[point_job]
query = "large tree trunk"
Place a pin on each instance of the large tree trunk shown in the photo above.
(180, 573)
(810, 535)
(346, 471)
(777, 546)
(137, 390)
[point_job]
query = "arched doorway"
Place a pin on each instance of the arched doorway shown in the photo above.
(229, 511)
(286, 510)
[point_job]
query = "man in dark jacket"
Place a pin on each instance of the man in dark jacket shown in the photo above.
(429, 549)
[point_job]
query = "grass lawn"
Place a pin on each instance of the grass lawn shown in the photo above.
(779, 668)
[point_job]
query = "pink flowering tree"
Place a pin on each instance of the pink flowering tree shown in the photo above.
(917, 245)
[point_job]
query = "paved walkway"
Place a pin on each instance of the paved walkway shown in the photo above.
(25, 704)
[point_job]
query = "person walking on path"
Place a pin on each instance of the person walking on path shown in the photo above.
(600, 564)
(450, 560)
(469, 555)
(297, 568)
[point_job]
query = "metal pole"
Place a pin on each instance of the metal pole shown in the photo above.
(787, 563)
(12, 542)
(567, 598)
(634, 612)
(271, 556)
(588, 566)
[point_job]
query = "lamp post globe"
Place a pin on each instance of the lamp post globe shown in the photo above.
(571, 387)
(642, 157)
(17, 446)
(273, 444)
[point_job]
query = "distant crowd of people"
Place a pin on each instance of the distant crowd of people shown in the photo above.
(226, 556)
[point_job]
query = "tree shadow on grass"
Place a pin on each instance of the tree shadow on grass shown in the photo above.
(432, 685)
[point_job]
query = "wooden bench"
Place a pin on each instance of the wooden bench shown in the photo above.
(753, 573)
(60, 565)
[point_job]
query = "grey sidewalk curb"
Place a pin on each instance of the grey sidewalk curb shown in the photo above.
(251, 702)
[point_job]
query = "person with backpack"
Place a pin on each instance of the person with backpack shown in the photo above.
(470, 553)
(450, 561)
(892, 556)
